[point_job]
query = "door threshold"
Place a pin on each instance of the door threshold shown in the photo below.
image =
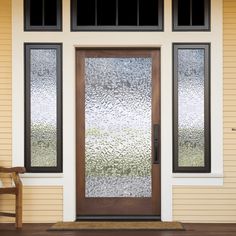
(118, 218)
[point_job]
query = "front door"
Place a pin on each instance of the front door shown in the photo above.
(118, 132)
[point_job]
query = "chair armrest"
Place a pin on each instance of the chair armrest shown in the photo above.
(18, 170)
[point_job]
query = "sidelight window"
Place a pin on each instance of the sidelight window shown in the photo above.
(43, 108)
(191, 100)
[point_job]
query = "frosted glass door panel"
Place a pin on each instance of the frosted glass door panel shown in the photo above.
(118, 120)
(191, 107)
(43, 91)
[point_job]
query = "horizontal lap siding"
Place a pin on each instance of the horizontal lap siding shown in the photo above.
(190, 204)
(217, 204)
(5, 84)
(42, 204)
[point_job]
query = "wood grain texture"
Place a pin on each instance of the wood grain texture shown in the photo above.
(217, 204)
(17, 191)
(190, 230)
(114, 205)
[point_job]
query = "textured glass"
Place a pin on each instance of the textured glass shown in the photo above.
(191, 107)
(118, 127)
(43, 107)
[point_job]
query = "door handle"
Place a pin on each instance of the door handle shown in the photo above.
(156, 143)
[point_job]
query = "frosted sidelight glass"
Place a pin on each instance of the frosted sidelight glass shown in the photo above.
(118, 122)
(43, 105)
(191, 107)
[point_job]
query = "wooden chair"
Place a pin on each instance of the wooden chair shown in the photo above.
(15, 190)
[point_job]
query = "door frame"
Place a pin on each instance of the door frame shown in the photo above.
(155, 54)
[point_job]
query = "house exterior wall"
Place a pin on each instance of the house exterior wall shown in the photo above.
(5, 83)
(217, 204)
(41, 203)
(190, 203)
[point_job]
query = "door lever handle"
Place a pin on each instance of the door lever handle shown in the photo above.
(156, 142)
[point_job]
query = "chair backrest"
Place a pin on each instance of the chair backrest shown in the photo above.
(17, 170)
(13, 173)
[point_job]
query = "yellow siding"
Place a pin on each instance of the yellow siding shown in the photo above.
(41, 204)
(190, 204)
(217, 204)
(5, 83)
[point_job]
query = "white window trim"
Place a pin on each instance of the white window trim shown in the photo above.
(42, 179)
(216, 85)
(198, 179)
(163, 40)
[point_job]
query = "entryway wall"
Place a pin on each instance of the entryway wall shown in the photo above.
(162, 39)
(41, 203)
(215, 204)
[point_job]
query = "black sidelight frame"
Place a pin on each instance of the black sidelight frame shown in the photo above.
(116, 27)
(43, 27)
(191, 27)
(27, 49)
(207, 109)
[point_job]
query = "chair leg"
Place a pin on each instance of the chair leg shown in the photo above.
(19, 208)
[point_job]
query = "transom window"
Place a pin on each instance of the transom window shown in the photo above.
(191, 15)
(43, 15)
(114, 15)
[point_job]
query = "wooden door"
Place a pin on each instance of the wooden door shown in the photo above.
(118, 132)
